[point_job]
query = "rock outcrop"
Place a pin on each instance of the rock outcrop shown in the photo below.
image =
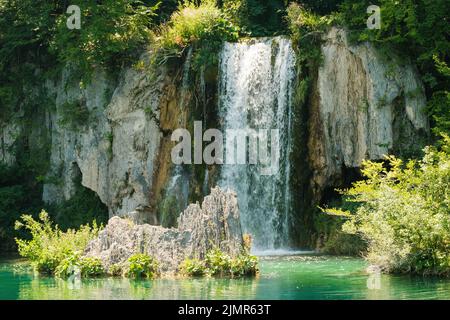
(363, 104)
(214, 224)
(121, 152)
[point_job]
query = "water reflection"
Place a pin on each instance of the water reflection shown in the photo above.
(119, 288)
(282, 277)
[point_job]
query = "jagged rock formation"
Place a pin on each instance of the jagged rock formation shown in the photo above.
(200, 228)
(363, 105)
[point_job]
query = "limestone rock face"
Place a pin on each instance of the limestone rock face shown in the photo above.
(362, 106)
(215, 223)
(8, 132)
(115, 150)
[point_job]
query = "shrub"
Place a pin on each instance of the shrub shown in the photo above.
(218, 263)
(201, 25)
(244, 265)
(115, 270)
(68, 266)
(404, 212)
(91, 267)
(142, 266)
(49, 246)
(193, 268)
(87, 267)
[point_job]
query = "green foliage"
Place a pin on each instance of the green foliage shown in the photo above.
(111, 33)
(218, 263)
(244, 265)
(115, 270)
(439, 110)
(330, 238)
(91, 267)
(200, 26)
(87, 267)
(306, 31)
(68, 266)
(17, 195)
(256, 17)
(34, 37)
(49, 246)
(405, 212)
(193, 268)
(141, 265)
(321, 7)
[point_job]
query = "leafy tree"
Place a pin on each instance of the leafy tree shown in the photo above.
(112, 31)
(404, 212)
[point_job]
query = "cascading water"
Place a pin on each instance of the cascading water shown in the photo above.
(255, 92)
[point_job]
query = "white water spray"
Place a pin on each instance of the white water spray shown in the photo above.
(255, 92)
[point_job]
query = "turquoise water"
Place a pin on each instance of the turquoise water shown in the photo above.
(282, 277)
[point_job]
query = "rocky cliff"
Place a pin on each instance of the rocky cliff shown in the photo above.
(364, 105)
(120, 151)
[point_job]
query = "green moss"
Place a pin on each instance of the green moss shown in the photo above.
(74, 115)
(169, 210)
(109, 137)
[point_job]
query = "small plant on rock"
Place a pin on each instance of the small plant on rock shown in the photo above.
(218, 263)
(193, 268)
(91, 267)
(115, 270)
(142, 265)
(244, 265)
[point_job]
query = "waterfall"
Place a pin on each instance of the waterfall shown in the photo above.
(255, 92)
